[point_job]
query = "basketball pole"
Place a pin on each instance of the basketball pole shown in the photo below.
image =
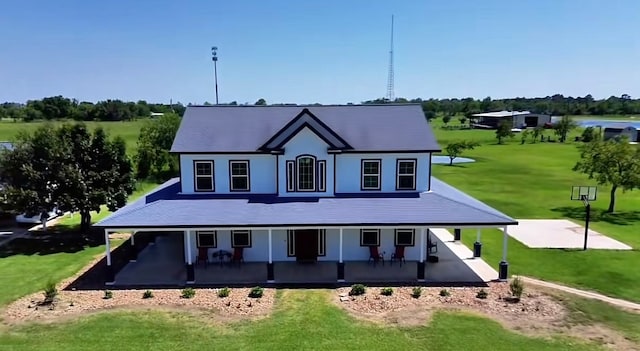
(587, 207)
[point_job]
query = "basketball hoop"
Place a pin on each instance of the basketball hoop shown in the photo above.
(585, 194)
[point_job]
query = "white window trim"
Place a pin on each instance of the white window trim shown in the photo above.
(413, 175)
(362, 231)
(234, 232)
(232, 176)
(196, 176)
(378, 175)
(313, 178)
(413, 237)
(207, 232)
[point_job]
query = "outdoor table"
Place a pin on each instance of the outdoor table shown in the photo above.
(221, 255)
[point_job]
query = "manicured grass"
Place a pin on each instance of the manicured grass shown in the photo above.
(304, 320)
(534, 181)
(129, 131)
(28, 272)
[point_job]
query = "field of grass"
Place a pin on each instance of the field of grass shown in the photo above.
(304, 320)
(129, 131)
(534, 181)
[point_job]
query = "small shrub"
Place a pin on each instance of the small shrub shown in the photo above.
(50, 292)
(386, 291)
(357, 289)
(444, 292)
(224, 292)
(417, 291)
(108, 294)
(517, 287)
(256, 292)
(482, 294)
(147, 294)
(188, 293)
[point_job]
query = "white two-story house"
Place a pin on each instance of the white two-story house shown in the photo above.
(298, 194)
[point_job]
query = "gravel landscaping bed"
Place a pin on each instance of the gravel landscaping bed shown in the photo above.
(533, 310)
(68, 303)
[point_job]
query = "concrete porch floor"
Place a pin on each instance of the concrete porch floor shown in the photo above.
(162, 264)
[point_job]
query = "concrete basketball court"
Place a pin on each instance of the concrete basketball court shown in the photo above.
(560, 234)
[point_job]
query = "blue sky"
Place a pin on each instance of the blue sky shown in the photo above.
(327, 51)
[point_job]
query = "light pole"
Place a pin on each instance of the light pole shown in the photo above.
(214, 58)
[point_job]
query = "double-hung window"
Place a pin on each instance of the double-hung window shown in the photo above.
(239, 175)
(370, 175)
(204, 180)
(406, 175)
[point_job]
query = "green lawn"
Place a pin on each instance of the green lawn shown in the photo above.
(534, 181)
(304, 320)
(129, 131)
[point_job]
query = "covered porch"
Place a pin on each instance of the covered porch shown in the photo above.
(163, 262)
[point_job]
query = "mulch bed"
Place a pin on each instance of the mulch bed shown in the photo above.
(533, 308)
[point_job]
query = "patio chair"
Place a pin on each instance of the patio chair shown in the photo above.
(203, 256)
(237, 255)
(398, 255)
(375, 256)
(432, 247)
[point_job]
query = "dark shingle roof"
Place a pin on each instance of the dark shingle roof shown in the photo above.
(247, 128)
(445, 206)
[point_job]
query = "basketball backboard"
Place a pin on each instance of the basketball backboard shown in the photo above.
(583, 193)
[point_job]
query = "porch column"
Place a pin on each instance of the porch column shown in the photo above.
(477, 246)
(457, 234)
(110, 274)
(423, 244)
(504, 266)
(191, 275)
(340, 261)
(270, 272)
(133, 254)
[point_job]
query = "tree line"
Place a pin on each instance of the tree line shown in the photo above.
(557, 105)
(59, 107)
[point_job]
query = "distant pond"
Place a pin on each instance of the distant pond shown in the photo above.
(444, 160)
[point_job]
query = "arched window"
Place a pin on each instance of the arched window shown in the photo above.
(306, 167)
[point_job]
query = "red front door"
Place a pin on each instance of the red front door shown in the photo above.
(306, 242)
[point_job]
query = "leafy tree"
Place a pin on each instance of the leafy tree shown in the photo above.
(463, 120)
(429, 115)
(504, 131)
(446, 119)
(524, 135)
(537, 132)
(564, 126)
(589, 134)
(611, 162)
(261, 102)
(154, 143)
(456, 149)
(67, 167)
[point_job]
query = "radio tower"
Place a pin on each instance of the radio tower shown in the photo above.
(390, 94)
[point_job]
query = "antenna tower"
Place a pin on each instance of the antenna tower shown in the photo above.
(390, 94)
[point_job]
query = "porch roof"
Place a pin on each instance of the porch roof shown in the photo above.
(444, 206)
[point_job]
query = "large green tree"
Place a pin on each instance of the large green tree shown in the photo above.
(67, 167)
(154, 143)
(504, 131)
(612, 162)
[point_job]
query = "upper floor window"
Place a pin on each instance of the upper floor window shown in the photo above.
(306, 167)
(406, 175)
(239, 175)
(203, 171)
(370, 175)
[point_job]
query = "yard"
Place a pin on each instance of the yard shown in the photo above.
(524, 181)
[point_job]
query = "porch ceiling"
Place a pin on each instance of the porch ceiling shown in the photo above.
(444, 206)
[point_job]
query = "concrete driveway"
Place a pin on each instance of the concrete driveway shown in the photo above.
(560, 234)
(9, 231)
